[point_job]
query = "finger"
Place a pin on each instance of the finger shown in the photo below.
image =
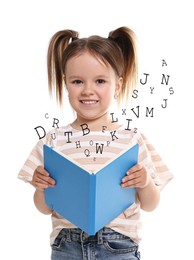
(39, 178)
(44, 179)
(47, 177)
(41, 183)
(38, 182)
(42, 176)
(40, 169)
(132, 176)
(135, 168)
(41, 186)
(131, 183)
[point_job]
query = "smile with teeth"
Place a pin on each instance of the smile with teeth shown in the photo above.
(89, 102)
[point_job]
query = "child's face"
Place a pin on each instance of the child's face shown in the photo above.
(91, 86)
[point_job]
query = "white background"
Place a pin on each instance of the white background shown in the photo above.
(165, 31)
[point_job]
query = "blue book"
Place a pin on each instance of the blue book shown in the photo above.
(89, 200)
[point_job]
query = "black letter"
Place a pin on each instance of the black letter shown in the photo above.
(53, 136)
(55, 122)
(113, 135)
(87, 153)
(135, 92)
(86, 128)
(46, 115)
(171, 90)
(149, 111)
(164, 79)
(78, 145)
(44, 132)
(124, 111)
(164, 106)
(68, 134)
(104, 128)
(151, 90)
(164, 63)
(143, 83)
(129, 120)
(113, 121)
(137, 115)
(99, 148)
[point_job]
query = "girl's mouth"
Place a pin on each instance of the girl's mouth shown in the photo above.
(89, 102)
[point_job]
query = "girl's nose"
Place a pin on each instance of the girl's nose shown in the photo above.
(88, 89)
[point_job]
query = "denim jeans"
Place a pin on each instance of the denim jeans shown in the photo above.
(74, 244)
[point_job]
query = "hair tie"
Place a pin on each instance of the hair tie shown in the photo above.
(110, 38)
(74, 38)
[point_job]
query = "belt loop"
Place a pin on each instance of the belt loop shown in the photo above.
(81, 236)
(100, 236)
(68, 235)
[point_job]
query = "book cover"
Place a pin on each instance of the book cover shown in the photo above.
(89, 200)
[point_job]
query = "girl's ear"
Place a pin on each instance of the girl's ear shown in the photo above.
(118, 87)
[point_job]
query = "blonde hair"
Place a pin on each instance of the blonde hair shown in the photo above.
(118, 50)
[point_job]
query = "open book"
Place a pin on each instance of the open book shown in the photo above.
(89, 200)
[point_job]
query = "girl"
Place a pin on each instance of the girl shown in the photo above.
(95, 71)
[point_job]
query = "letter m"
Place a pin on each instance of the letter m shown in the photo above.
(149, 111)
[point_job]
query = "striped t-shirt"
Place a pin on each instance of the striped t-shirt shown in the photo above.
(93, 149)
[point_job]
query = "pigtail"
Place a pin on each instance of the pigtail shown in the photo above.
(126, 40)
(57, 45)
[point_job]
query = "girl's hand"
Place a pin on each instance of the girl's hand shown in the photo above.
(136, 177)
(41, 179)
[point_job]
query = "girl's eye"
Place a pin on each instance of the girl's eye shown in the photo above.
(100, 81)
(77, 82)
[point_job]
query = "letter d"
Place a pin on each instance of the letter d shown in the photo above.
(43, 132)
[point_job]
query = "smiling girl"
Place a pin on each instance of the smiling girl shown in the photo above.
(95, 72)
(91, 91)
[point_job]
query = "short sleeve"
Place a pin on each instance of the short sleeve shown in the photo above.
(148, 156)
(35, 158)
